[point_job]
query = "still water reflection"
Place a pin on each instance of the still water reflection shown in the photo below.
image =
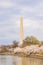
(15, 60)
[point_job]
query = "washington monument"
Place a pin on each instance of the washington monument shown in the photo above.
(21, 31)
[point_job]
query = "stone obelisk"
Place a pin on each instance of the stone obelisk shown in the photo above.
(21, 31)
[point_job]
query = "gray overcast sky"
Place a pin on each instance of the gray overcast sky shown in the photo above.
(10, 12)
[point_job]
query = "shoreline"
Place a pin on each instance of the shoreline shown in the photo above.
(40, 56)
(29, 51)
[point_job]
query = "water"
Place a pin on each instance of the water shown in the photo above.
(15, 60)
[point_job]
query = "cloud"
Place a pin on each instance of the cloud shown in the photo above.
(31, 24)
(5, 4)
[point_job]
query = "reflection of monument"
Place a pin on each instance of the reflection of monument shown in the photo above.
(21, 31)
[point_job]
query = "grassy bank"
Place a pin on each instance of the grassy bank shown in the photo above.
(23, 55)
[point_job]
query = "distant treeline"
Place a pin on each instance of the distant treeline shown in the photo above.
(27, 41)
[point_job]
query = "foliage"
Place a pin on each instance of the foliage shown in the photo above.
(3, 49)
(30, 40)
(15, 43)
